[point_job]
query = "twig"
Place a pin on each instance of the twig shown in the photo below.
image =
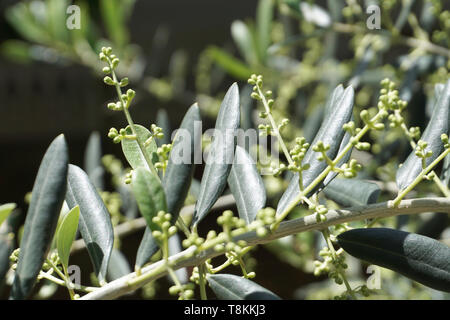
(131, 226)
(189, 257)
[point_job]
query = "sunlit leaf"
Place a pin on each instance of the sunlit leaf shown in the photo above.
(231, 287)
(66, 235)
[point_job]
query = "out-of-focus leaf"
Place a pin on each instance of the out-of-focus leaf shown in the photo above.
(66, 235)
(352, 192)
(417, 257)
(118, 266)
(438, 124)
(220, 158)
(114, 16)
(20, 16)
(244, 41)
(338, 111)
(56, 12)
(16, 50)
(315, 14)
(177, 179)
(149, 194)
(434, 226)
(42, 217)
(132, 151)
(264, 16)
(95, 221)
(231, 287)
(246, 186)
(229, 63)
(5, 211)
(93, 160)
(163, 121)
(174, 248)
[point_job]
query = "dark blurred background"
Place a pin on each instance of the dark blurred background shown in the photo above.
(41, 100)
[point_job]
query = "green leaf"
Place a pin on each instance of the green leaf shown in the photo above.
(163, 121)
(417, 257)
(5, 211)
(352, 192)
(118, 266)
(149, 194)
(244, 41)
(220, 158)
(438, 124)
(177, 179)
(95, 221)
(338, 111)
(133, 152)
(230, 64)
(264, 16)
(147, 248)
(93, 160)
(42, 217)
(246, 186)
(66, 235)
(8, 232)
(56, 24)
(231, 287)
(114, 17)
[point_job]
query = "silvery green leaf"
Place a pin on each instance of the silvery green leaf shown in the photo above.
(438, 124)
(417, 257)
(352, 192)
(338, 111)
(118, 266)
(42, 217)
(95, 221)
(93, 160)
(231, 287)
(220, 158)
(246, 186)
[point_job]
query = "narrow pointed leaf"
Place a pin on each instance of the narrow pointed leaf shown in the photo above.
(246, 186)
(352, 192)
(118, 266)
(133, 152)
(149, 194)
(417, 257)
(180, 167)
(42, 217)
(8, 232)
(66, 235)
(264, 17)
(438, 124)
(177, 179)
(220, 158)
(5, 211)
(147, 248)
(174, 248)
(244, 41)
(163, 121)
(95, 220)
(93, 160)
(231, 287)
(338, 111)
